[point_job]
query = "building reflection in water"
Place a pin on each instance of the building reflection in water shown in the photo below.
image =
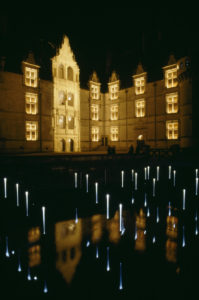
(97, 222)
(34, 251)
(140, 242)
(172, 234)
(68, 237)
(34, 235)
(113, 228)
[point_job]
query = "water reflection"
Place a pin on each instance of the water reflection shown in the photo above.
(68, 238)
(171, 242)
(140, 241)
(113, 228)
(34, 235)
(96, 228)
(34, 254)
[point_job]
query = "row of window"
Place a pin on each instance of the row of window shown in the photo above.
(171, 132)
(140, 84)
(32, 131)
(140, 108)
(31, 75)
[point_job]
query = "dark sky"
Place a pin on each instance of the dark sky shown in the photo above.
(103, 38)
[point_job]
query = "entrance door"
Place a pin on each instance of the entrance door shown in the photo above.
(106, 141)
(63, 145)
(71, 145)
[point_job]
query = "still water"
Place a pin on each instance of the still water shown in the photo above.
(129, 235)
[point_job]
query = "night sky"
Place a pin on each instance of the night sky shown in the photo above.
(102, 38)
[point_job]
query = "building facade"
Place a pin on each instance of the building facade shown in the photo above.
(58, 116)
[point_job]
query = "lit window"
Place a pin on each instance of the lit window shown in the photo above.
(70, 122)
(172, 130)
(31, 77)
(62, 98)
(139, 85)
(70, 98)
(61, 121)
(113, 90)
(171, 78)
(114, 112)
(94, 112)
(114, 133)
(172, 103)
(31, 131)
(31, 103)
(94, 91)
(140, 108)
(95, 134)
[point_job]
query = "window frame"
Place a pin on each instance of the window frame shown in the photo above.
(31, 123)
(173, 122)
(141, 109)
(31, 103)
(112, 133)
(30, 78)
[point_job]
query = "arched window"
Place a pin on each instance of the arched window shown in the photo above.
(61, 71)
(70, 73)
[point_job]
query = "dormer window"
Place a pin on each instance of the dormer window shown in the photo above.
(139, 85)
(94, 91)
(113, 91)
(171, 78)
(31, 77)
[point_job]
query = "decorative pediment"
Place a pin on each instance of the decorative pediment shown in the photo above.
(30, 59)
(114, 77)
(139, 69)
(172, 60)
(94, 77)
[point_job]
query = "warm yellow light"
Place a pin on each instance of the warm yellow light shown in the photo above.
(30, 77)
(140, 108)
(113, 91)
(34, 254)
(172, 103)
(31, 103)
(114, 133)
(114, 112)
(139, 85)
(34, 235)
(172, 130)
(31, 131)
(94, 112)
(95, 91)
(171, 78)
(95, 134)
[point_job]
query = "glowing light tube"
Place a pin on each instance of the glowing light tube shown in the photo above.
(107, 205)
(44, 219)
(17, 194)
(96, 192)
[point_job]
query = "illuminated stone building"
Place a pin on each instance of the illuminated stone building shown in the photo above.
(58, 116)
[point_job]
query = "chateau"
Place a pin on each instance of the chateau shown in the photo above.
(56, 115)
